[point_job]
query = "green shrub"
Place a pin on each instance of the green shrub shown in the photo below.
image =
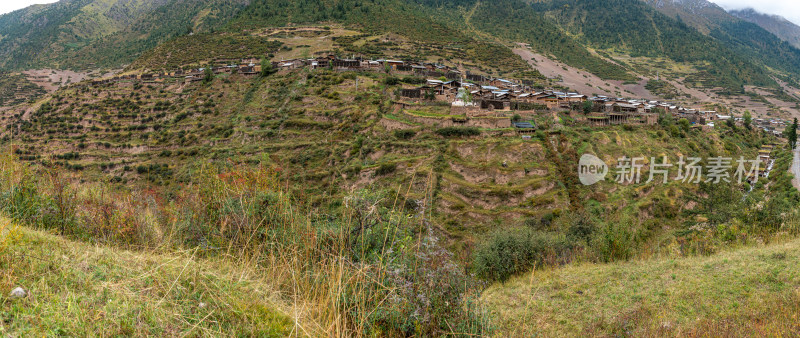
(509, 252)
(385, 169)
(413, 80)
(614, 241)
(404, 134)
(391, 81)
(458, 131)
(685, 125)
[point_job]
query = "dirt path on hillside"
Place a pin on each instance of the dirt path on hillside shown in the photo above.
(795, 169)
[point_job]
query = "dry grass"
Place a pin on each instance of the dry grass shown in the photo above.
(752, 292)
(79, 289)
(234, 242)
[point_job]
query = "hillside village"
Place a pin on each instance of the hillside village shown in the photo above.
(397, 168)
(475, 99)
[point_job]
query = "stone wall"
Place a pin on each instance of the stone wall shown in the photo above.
(466, 111)
(481, 122)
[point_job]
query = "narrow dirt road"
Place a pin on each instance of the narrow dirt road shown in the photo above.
(795, 169)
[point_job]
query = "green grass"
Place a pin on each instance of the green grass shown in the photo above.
(423, 113)
(78, 289)
(752, 291)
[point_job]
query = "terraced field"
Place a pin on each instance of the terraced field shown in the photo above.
(335, 133)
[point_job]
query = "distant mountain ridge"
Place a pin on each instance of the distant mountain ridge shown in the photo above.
(83, 34)
(775, 24)
(744, 38)
(700, 14)
(727, 52)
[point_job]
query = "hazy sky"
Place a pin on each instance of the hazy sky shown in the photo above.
(12, 5)
(789, 9)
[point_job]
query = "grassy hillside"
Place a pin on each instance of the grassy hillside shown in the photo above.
(468, 23)
(80, 289)
(356, 212)
(231, 230)
(749, 291)
(640, 30)
(200, 49)
(700, 14)
(761, 45)
(373, 268)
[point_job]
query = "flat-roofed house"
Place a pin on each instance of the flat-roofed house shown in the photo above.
(549, 100)
(346, 64)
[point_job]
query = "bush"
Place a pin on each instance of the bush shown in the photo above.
(509, 252)
(413, 80)
(458, 131)
(614, 241)
(391, 81)
(421, 291)
(685, 125)
(404, 134)
(385, 169)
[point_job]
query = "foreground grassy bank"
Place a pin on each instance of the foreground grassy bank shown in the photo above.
(376, 269)
(753, 291)
(78, 289)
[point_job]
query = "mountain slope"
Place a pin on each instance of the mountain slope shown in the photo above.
(775, 24)
(700, 14)
(749, 41)
(83, 34)
(641, 31)
(436, 21)
(93, 33)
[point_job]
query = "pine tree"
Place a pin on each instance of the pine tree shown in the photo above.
(748, 119)
(266, 67)
(209, 75)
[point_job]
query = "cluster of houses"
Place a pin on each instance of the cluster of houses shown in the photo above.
(361, 64)
(470, 94)
(773, 126)
(246, 67)
(491, 94)
(252, 66)
(766, 163)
